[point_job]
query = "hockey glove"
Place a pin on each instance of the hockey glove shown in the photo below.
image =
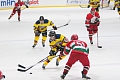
(52, 53)
(87, 26)
(88, 6)
(54, 27)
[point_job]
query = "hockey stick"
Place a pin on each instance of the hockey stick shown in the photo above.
(26, 69)
(98, 42)
(82, 6)
(61, 26)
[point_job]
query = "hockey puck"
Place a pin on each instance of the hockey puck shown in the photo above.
(30, 73)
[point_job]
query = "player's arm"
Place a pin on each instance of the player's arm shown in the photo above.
(53, 25)
(64, 40)
(36, 26)
(87, 21)
(68, 48)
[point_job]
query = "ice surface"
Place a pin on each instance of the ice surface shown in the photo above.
(16, 40)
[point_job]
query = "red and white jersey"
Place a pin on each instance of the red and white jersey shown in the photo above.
(18, 5)
(91, 18)
(76, 47)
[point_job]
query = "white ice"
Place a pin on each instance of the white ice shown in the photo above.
(16, 40)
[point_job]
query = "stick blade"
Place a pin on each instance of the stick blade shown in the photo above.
(21, 70)
(19, 65)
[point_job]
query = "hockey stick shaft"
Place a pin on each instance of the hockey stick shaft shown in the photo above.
(26, 69)
(21, 66)
(98, 41)
(82, 6)
(62, 25)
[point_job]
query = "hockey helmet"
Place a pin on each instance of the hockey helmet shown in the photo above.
(51, 33)
(41, 18)
(93, 9)
(74, 37)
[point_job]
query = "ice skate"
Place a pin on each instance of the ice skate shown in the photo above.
(91, 42)
(8, 18)
(43, 66)
(62, 77)
(18, 18)
(84, 77)
(43, 43)
(34, 45)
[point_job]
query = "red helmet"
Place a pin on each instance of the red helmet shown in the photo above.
(74, 37)
(93, 9)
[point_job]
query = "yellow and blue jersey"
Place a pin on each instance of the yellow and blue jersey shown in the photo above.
(117, 3)
(94, 3)
(58, 42)
(43, 27)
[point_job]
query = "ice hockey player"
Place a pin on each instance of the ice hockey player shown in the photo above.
(78, 52)
(92, 22)
(117, 4)
(1, 75)
(57, 43)
(17, 9)
(94, 4)
(40, 27)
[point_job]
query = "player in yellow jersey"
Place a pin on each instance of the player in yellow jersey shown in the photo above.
(95, 4)
(40, 27)
(57, 43)
(117, 4)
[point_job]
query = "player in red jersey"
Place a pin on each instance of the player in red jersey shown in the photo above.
(78, 52)
(1, 75)
(18, 9)
(92, 22)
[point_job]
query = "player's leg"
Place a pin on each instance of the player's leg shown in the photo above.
(118, 11)
(95, 29)
(44, 37)
(19, 13)
(37, 35)
(13, 12)
(49, 59)
(72, 59)
(52, 55)
(90, 35)
(86, 65)
(60, 57)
